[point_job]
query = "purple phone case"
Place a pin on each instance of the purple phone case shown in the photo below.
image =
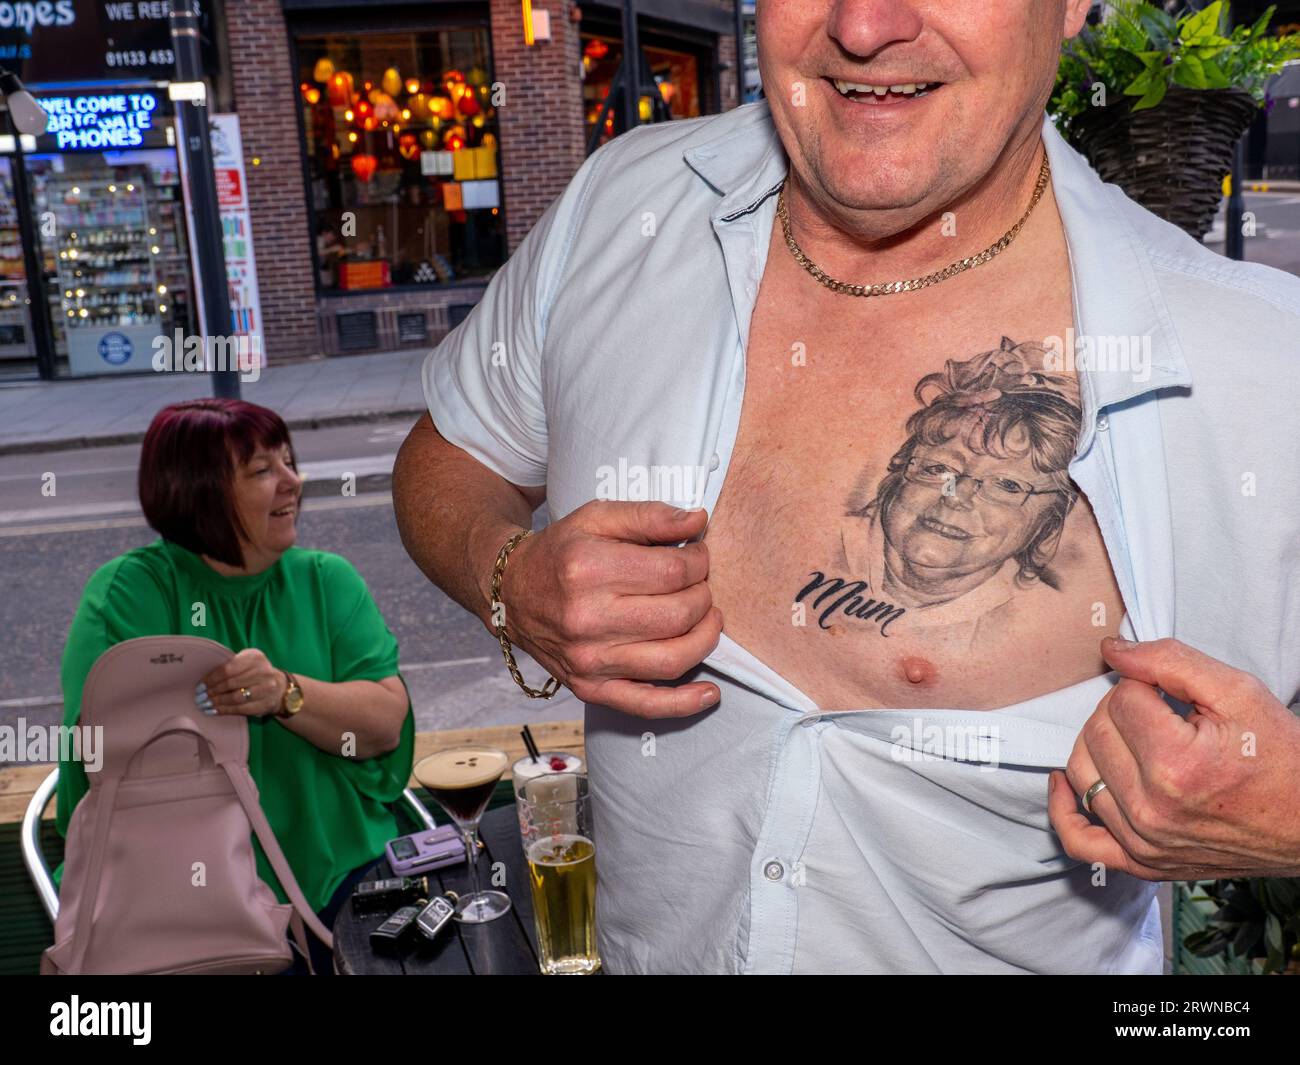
(436, 849)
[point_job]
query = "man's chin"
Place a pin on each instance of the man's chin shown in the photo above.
(862, 183)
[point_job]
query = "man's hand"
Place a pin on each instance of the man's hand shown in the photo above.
(600, 602)
(1213, 796)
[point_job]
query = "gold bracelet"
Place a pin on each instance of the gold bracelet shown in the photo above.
(552, 685)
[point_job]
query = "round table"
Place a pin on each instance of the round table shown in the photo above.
(507, 945)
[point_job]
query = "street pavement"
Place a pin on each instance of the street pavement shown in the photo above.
(47, 415)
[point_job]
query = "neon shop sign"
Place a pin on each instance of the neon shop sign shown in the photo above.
(100, 121)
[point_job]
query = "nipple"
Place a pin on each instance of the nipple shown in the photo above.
(918, 670)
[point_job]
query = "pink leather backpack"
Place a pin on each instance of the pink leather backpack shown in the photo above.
(159, 874)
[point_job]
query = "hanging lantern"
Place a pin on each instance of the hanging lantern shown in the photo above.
(313, 96)
(340, 89)
(364, 166)
(409, 146)
(370, 123)
(440, 106)
(454, 138)
(385, 109)
(468, 105)
(363, 109)
(391, 81)
(324, 69)
(412, 86)
(478, 121)
(596, 48)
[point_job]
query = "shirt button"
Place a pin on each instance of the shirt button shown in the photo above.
(715, 460)
(774, 870)
(1103, 423)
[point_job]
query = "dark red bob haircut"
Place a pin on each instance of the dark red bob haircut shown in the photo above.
(187, 471)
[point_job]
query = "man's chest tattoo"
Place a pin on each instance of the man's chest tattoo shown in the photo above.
(973, 503)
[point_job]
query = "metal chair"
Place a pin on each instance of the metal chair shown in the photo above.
(39, 871)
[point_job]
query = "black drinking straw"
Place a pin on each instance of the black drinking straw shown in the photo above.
(529, 743)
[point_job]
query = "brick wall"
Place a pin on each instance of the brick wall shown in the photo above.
(543, 142)
(542, 137)
(266, 99)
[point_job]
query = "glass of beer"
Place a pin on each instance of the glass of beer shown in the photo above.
(462, 779)
(555, 819)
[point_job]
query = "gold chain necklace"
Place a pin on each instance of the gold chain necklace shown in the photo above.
(951, 270)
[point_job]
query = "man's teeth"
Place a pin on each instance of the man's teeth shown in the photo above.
(911, 88)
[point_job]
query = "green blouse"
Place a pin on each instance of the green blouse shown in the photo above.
(311, 614)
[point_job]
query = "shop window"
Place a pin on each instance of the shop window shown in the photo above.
(115, 252)
(675, 75)
(401, 144)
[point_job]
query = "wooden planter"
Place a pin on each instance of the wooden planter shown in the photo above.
(1172, 157)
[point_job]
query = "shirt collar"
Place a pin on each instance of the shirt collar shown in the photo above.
(1117, 298)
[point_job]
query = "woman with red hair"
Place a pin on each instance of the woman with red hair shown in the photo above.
(331, 733)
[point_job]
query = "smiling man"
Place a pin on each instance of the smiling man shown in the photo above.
(921, 521)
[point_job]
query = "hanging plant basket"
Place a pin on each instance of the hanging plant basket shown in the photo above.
(1170, 158)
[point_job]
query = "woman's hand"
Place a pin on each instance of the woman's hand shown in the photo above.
(223, 690)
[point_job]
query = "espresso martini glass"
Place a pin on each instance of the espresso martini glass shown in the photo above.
(462, 779)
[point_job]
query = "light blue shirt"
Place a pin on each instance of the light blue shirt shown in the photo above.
(765, 836)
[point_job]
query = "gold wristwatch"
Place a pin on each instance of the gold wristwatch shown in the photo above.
(292, 700)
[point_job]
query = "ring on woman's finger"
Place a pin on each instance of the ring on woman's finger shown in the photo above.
(246, 694)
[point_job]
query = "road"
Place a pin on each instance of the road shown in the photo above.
(1276, 241)
(49, 546)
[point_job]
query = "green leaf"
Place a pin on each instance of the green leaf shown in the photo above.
(1152, 96)
(1215, 78)
(1189, 72)
(1206, 943)
(1203, 23)
(1161, 27)
(1246, 938)
(1261, 23)
(1273, 941)
(1280, 895)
